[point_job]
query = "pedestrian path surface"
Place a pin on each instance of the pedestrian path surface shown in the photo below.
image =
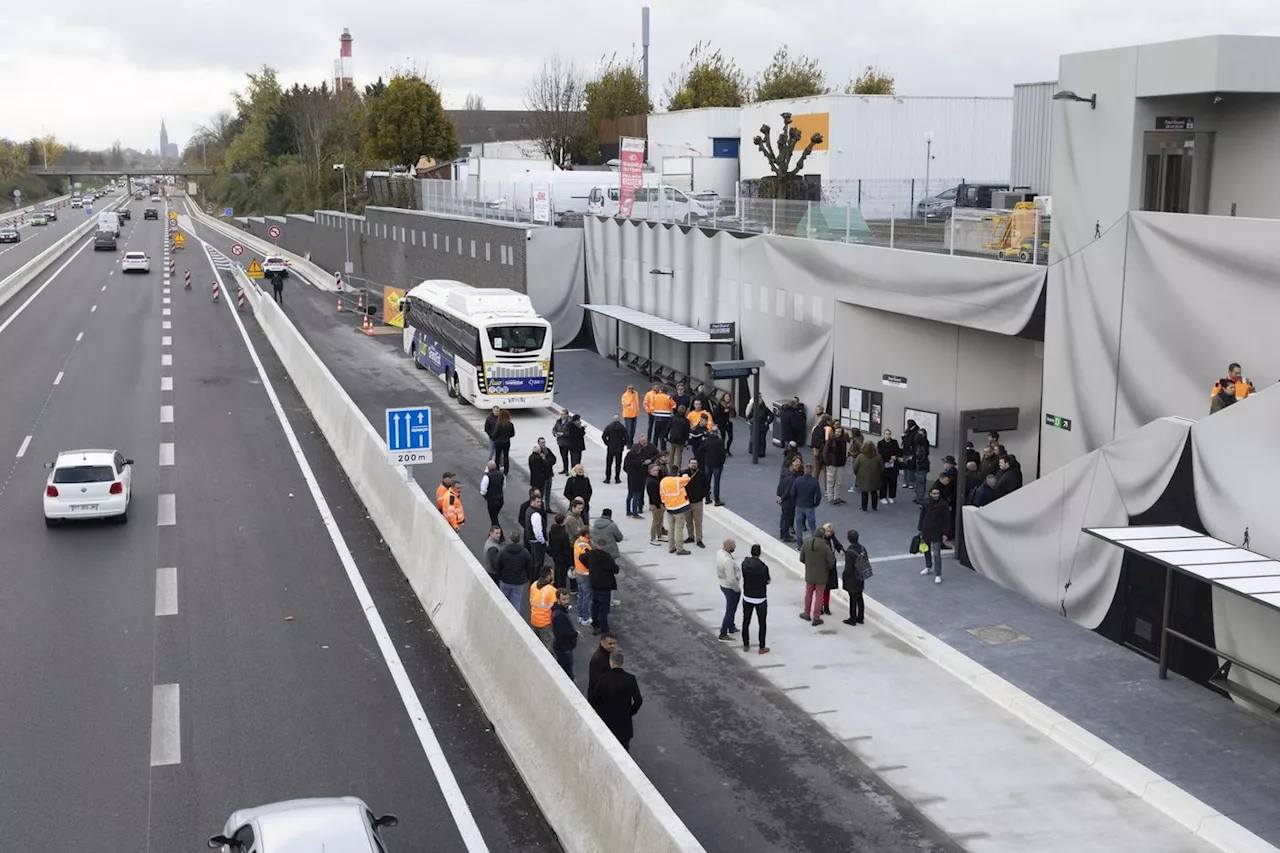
(976, 770)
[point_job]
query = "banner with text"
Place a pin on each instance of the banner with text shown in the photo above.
(631, 150)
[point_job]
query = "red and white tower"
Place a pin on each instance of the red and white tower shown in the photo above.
(342, 66)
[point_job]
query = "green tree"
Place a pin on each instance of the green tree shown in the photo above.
(258, 107)
(374, 89)
(784, 182)
(617, 90)
(872, 81)
(790, 77)
(408, 121)
(706, 79)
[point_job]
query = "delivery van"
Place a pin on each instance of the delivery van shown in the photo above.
(660, 203)
(109, 222)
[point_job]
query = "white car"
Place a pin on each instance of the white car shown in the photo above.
(301, 826)
(135, 262)
(155, 198)
(88, 484)
(76, 202)
(275, 265)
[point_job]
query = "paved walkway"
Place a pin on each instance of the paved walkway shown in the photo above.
(1202, 743)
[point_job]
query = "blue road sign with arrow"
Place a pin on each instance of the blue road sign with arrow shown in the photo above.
(408, 434)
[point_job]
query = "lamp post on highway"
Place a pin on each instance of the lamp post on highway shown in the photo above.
(928, 159)
(346, 220)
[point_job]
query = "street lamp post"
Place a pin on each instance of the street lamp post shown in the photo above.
(928, 160)
(346, 220)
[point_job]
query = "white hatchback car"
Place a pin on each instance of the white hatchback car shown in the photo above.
(88, 484)
(304, 826)
(275, 265)
(135, 262)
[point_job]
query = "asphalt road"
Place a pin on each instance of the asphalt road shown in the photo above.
(212, 653)
(738, 762)
(37, 238)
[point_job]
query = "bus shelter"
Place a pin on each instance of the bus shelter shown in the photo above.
(651, 325)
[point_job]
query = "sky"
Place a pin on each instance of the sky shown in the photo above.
(92, 73)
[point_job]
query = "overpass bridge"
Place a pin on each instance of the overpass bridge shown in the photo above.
(119, 171)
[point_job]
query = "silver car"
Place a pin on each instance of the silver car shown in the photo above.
(304, 826)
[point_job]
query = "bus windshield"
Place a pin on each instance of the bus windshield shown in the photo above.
(514, 339)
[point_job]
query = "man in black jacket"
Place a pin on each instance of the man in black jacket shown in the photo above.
(617, 699)
(761, 417)
(786, 504)
(491, 485)
(615, 438)
(636, 466)
(536, 531)
(599, 663)
(714, 457)
(653, 490)
(935, 515)
(515, 570)
(698, 491)
(806, 496)
(542, 467)
(564, 637)
(602, 572)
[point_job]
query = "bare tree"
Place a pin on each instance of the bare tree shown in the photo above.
(474, 101)
(556, 99)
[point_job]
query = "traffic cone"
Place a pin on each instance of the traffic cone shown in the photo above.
(367, 325)
(360, 302)
(339, 301)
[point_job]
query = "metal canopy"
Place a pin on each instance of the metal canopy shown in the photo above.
(654, 324)
(1239, 571)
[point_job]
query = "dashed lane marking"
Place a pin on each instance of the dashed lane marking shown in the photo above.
(22, 451)
(166, 453)
(166, 383)
(166, 414)
(166, 341)
(166, 738)
(57, 380)
(80, 337)
(167, 591)
(166, 360)
(166, 511)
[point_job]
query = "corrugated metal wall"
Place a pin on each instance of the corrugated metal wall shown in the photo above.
(1032, 147)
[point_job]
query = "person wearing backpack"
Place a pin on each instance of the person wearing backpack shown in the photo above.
(857, 568)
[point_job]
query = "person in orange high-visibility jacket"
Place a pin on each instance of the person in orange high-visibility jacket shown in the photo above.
(663, 406)
(541, 596)
(582, 575)
(698, 415)
(676, 501)
(442, 490)
(630, 412)
(451, 506)
(649, 397)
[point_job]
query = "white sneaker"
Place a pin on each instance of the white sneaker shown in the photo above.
(937, 578)
(925, 570)
(852, 489)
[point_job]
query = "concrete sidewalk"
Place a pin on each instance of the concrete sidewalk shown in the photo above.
(971, 765)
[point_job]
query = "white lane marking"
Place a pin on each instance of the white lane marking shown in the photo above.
(167, 592)
(40, 289)
(164, 312)
(166, 453)
(164, 301)
(104, 287)
(166, 383)
(166, 414)
(22, 451)
(79, 337)
(57, 380)
(166, 324)
(166, 726)
(166, 341)
(458, 807)
(113, 272)
(166, 511)
(166, 360)
(94, 308)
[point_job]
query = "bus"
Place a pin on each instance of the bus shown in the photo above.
(488, 344)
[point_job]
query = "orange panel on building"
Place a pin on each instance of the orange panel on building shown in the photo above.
(809, 124)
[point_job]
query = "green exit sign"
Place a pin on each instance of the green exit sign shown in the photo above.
(1057, 422)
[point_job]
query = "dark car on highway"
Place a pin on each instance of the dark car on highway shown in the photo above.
(150, 213)
(125, 214)
(10, 235)
(105, 240)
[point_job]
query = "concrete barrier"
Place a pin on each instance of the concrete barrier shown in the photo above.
(318, 276)
(32, 269)
(30, 209)
(587, 786)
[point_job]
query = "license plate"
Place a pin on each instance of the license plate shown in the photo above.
(84, 507)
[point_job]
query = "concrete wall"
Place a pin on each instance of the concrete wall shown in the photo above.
(948, 369)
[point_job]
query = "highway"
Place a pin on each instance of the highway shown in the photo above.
(211, 654)
(37, 238)
(740, 766)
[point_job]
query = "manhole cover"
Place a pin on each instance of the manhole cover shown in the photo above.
(998, 635)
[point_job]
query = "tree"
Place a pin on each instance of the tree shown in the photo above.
(617, 90)
(257, 107)
(408, 121)
(556, 98)
(374, 89)
(790, 77)
(872, 81)
(706, 79)
(784, 182)
(474, 101)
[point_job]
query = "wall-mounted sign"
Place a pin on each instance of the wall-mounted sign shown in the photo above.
(724, 331)
(1175, 122)
(542, 204)
(862, 410)
(1057, 422)
(894, 381)
(925, 420)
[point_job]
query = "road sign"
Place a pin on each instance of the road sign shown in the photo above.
(173, 214)
(408, 435)
(254, 270)
(179, 241)
(237, 249)
(227, 211)
(274, 232)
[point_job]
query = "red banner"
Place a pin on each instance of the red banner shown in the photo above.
(631, 153)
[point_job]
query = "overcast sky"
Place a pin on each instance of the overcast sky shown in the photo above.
(92, 72)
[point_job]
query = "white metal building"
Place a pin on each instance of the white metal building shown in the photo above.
(1032, 135)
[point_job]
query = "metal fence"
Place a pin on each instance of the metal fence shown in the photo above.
(879, 212)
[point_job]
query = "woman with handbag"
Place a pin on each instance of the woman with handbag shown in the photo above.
(857, 568)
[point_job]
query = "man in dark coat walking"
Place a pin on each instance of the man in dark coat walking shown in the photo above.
(616, 698)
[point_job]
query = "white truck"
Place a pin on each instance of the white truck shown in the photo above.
(655, 201)
(109, 221)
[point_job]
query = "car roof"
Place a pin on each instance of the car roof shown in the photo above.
(135, 254)
(92, 456)
(302, 826)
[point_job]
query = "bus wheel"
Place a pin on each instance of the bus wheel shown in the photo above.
(451, 382)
